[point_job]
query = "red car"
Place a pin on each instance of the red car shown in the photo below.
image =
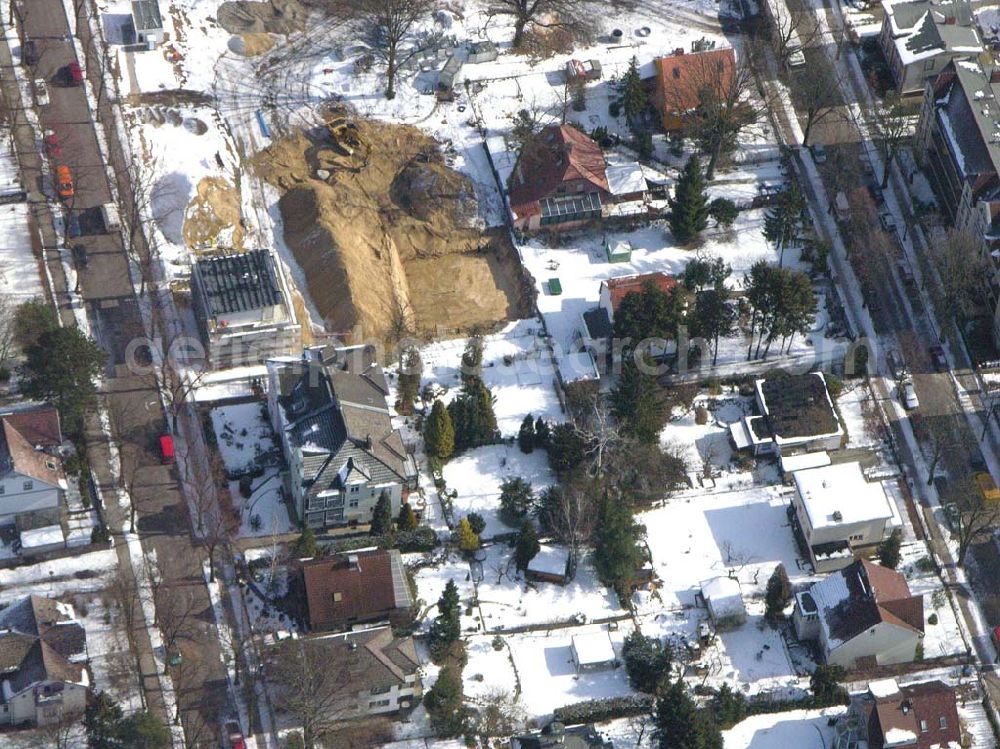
(52, 147)
(234, 736)
(75, 73)
(166, 449)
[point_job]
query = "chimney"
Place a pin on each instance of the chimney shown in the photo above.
(368, 441)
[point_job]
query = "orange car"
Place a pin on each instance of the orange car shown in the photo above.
(64, 182)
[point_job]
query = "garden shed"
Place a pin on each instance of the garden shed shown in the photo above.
(724, 600)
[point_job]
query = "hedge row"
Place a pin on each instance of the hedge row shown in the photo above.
(594, 711)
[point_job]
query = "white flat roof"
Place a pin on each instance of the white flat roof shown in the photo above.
(792, 463)
(45, 536)
(883, 688)
(550, 560)
(593, 648)
(838, 495)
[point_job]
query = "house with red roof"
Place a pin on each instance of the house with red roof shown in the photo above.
(923, 715)
(682, 77)
(862, 616)
(560, 180)
(355, 588)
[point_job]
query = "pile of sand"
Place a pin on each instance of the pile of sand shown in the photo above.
(396, 238)
(256, 17)
(212, 217)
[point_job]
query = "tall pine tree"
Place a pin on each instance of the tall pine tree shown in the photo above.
(632, 94)
(407, 518)
(638, 403)
(689, 209)
(617, 556)
(447, 627)
(541, 433)
(526, 435)
(472, 415)
(410, 368)
(527, 545)
(468, 539)
(382, 515)
(781, 221)
(681, 724)
(439, 432)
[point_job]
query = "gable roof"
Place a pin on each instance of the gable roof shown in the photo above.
(797, 406)
(17, 454)
(914, 714)
(358, 586)
(381, 660)
(335, 411)
(862, 595)
(561, 153)
(681, 77)
(40, 641)
(619, 288)
(39, 425)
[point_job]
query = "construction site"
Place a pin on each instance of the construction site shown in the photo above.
(387, 234)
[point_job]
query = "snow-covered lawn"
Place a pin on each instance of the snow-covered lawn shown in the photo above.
(477, 475)
(801, 729)
(517, 367)
(77, 574)
(944, 636)
(243, 434)
(858, 411)
(514, 602)
(706, 443)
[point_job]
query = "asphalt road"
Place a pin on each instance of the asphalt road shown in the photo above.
(132, 400)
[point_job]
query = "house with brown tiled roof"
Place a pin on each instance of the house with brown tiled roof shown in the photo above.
(682, 77)
(916, 716)
(32, 481)
(43, 654)
(861, 616)
(560, 179)
(355, 588)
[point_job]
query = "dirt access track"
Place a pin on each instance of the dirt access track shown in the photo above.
(390, 241)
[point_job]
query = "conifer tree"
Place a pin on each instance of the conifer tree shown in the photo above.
(541, 433)
(888, 550)
(468, 540)
(526, 435)
(382, 515)
(516, 499)
(637, 403)
(781, 221)
(689, 207)
(410, 368)
(777, 595)
(407, 518)
(527, 545)
(681, 724)
(447, 627)
(617, 556)
(632, 94)
(472, 415)
(439, 432)
(305, 545)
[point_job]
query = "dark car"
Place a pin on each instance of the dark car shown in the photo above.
(938, 359)
(73, 228)
(74, 74)
(29, 53)
(80, 255)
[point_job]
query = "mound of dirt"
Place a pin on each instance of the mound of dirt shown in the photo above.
(256, 17)
(392, 236)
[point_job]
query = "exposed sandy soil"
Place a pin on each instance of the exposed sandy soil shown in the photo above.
(213, 215)
(254, 17)
(257, 44)
(390, 238)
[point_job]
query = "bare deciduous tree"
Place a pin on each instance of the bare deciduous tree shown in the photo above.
(962, 265)
(8, 309)
(890, 127)
(578, 17)
(789, 32)
(975, 518)
(817, 95)
(313, 687)
(389, 26)
(500, 714)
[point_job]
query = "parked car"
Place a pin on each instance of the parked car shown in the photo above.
(64, 182)
(74, 74)
(908, 396)
(80, 255)
(73, 228)
(29, 53)
(52, 147)
(906, 273)
(938, 359)
(41, 92)
(887, 220)
(234, 735)
(818, 152)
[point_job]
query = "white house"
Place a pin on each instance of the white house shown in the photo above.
(724, 600)
(43, 655)
(32, 481)
(593, 651)
(838, 512)
(796, 415)
(861, 616)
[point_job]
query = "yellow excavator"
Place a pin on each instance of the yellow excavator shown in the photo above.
(346, 140)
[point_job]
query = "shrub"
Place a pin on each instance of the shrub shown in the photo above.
(700, 415)
(779, 592)
(932, 619)
(647, 661)
(724, 211)
(477, 522)
(614, 108)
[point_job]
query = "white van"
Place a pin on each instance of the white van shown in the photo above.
(109, 214)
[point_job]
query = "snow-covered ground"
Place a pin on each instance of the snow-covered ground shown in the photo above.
(243, 434)
(802, 729)
(477, 475)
